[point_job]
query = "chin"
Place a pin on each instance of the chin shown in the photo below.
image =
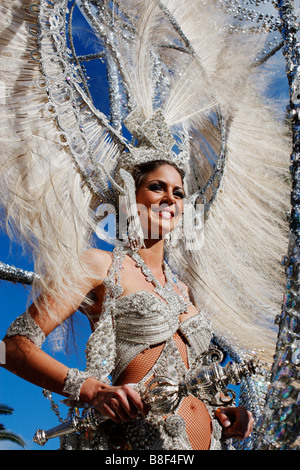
(159, 232)
(159, 226)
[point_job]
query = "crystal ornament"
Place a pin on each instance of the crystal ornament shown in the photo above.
(13, 274)
(67, 84)
(25, 325)
(279, 426)
(207, 383)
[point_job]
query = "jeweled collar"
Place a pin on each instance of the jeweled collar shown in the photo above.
(176, 302)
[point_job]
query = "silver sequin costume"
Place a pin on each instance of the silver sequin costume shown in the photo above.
(128, 325)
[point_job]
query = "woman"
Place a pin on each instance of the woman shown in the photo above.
(154, 335)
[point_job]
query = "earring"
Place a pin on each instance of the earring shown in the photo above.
(193, 226)
(172, 238)
(133, 233)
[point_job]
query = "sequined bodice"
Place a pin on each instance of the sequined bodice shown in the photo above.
(142, 320)
(142, 317)
(132, 323)
(128, 325)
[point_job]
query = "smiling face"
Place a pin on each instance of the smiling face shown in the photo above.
(159, 198)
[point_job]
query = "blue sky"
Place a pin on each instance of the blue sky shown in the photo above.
(31, 409)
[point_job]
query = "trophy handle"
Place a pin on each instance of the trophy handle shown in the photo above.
(41, 436)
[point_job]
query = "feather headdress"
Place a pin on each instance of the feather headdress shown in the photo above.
(60, 153)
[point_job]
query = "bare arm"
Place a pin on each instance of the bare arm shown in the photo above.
(31, 363)
(119, 403)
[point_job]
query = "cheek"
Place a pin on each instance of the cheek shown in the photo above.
(146, 198)
(180, 205)
(178, 209)
(145, 202)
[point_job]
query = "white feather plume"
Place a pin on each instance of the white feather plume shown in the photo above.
(238, 276)
(45, 204)
(184, 60)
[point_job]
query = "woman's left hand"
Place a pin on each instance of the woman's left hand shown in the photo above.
(237, 422)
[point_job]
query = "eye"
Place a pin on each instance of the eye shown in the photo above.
(155, 187)
(179, 193)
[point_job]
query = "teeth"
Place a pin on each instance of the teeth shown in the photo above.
(166, 215)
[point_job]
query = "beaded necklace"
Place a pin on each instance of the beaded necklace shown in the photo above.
(177, 303)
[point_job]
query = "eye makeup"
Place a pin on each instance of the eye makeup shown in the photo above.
(161, 186)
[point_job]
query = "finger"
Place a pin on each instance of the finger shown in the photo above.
(221, 415)
(135, 400)
(242, 426)
(112, 407)
(247, 423)
(106, 410)
(122, 412)
(120, 403)
(127, 403)
(127, 410)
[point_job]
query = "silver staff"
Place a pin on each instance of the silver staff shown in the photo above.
(90, 419)
(163, 395)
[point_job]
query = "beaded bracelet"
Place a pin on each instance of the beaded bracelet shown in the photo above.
(25, 325)
(74, 382)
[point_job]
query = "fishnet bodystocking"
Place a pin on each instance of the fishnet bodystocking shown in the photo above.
(194, 412)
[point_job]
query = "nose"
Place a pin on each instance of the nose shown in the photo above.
(169, 197)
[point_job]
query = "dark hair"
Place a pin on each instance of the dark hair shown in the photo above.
(140, 171)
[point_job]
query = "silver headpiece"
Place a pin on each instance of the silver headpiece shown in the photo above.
(172, 67)
(155, 142)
